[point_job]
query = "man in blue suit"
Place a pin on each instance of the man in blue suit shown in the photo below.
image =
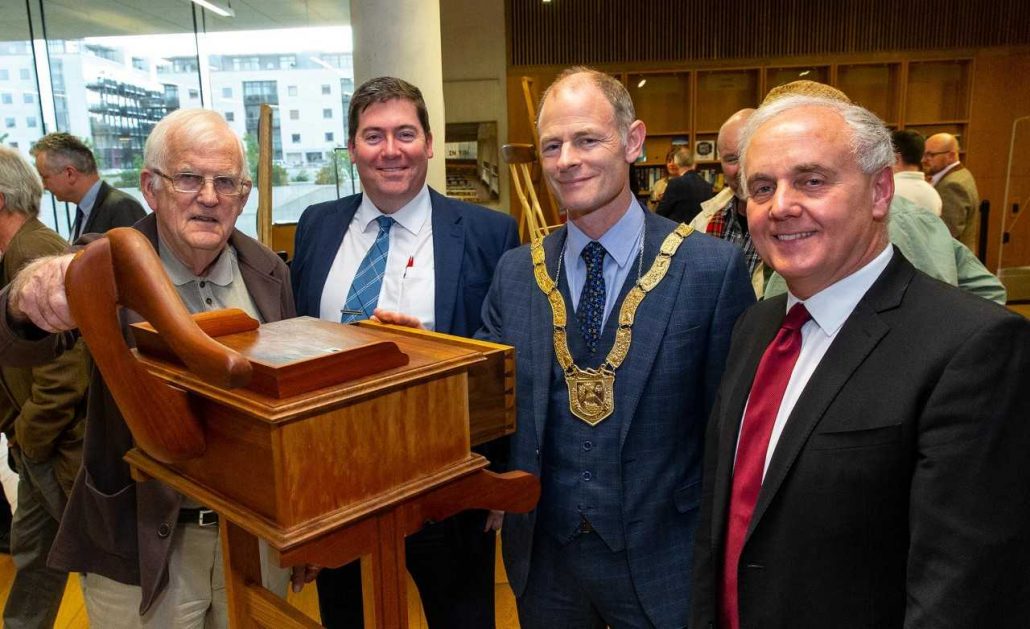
(621, 322)
(401, 246)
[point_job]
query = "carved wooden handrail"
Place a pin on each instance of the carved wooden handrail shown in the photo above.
(123, 269)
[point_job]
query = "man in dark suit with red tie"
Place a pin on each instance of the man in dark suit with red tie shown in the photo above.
(69, 172)
(865, 460)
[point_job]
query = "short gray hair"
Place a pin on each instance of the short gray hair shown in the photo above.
(613, 90)
(62, 149)
(870, 140)
(20, 186)
(195, 127)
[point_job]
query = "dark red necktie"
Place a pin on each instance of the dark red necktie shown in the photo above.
(770, 383)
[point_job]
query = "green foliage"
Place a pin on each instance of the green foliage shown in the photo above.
(129, 178)
(279, 175)
(302, 176)
(341, 161)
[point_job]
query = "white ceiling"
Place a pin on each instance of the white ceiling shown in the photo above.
(75, 19)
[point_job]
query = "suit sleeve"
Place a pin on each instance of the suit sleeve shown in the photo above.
(54, 404)
(735, 295)
(969, 509)
(493, 306)
(956, 207)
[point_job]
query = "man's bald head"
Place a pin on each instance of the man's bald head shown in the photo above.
(728, 146)
(941, 152)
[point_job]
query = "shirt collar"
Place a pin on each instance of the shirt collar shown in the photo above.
(88, 199)
(412, 216)
(220, 272)
(620, 241)
(945, 171)
(910, 174)
(832, 306)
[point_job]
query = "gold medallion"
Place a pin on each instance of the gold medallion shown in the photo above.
(592, 391)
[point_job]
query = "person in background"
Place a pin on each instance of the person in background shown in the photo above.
(960, 200)
(909, 182)
(42, 412)
(69, 172)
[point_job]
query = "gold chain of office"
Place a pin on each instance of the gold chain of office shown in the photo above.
(592, 391)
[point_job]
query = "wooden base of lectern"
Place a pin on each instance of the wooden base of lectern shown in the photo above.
(332, 442)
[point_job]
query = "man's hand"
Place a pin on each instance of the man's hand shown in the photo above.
(303, 574)
(396, 318)
(37, 295)
(494, 519)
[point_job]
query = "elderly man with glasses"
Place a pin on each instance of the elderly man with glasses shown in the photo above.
(151, 557)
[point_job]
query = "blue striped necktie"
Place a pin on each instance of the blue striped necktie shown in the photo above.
(364, 290)
(590, 312)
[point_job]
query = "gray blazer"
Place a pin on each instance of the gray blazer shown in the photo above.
(663, 391)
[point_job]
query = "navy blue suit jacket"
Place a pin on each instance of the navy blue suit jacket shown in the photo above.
(468, 241)
(663, 393)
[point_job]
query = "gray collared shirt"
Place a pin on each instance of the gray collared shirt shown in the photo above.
(222, 287)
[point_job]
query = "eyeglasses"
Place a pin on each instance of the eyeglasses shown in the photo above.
(191, 183)
(934, 153)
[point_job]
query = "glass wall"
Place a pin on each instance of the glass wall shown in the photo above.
(107, 72)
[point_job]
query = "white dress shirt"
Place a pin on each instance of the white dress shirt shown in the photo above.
(911, 185)
(829, 308)
(940, 175)
(409, 284)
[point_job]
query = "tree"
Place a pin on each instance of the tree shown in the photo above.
(339, 163)
(279, 175)
(302, 176)
(129, 178)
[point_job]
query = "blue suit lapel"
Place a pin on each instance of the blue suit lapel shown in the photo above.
(329, 241)
(648, 327)
(541, 324)
(448, 252)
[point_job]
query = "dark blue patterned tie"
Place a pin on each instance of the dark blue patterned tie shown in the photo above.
(364, 290)
(590, 312)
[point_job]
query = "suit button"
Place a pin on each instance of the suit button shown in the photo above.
(588, 445)
(587, 475)
(164, 530)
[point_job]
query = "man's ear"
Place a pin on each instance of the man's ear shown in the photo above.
(146, 186)
(635, 140)
(883, 192)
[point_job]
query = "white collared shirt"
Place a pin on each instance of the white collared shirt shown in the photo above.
(409, 285)
(829, 308)
(934, 180)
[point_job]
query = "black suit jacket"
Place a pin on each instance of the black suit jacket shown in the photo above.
(899, 492)
(684, 196)
(113, 208)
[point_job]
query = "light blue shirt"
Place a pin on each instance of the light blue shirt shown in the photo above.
(87, 202)
(621, 243)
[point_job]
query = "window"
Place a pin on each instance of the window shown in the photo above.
(226, 92)
(28, 98)
(294, 114)
(194, 94)
(4, 75)
(25, 74)
(295, 138)
(230, 116)
(9, 122)
(6, 99)
(291, 90)
(329, 136)
(31, 122)
(14, 145)
(327, 89)
(315, 156)
(327, 114)
(139, 63)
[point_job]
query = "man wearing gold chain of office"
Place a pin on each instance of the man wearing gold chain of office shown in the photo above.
(621, 322)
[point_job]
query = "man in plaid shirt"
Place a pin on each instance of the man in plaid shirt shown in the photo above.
(723, 216)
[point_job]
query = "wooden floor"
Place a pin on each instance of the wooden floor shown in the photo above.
(73, 612)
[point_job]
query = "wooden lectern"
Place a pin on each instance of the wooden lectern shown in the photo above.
(331, 442)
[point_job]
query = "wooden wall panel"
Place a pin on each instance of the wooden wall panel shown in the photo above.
(566, 32)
